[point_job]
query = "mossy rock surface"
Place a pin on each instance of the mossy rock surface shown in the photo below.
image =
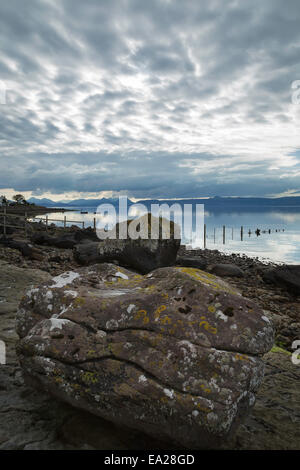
(175, 353)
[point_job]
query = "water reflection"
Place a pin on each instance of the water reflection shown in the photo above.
(282, 245)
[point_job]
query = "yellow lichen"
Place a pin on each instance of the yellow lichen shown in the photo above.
(79, 301)
(158, 311)
(89, 377)
(241, 357)
(206, 325)
(206, 278)
(166, 320)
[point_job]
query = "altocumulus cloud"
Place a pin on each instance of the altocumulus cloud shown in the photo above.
(159, 98)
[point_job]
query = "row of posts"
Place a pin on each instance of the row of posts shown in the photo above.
(94, 226)
(65, 222)
(224, 234)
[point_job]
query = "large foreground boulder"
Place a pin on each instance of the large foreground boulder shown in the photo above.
(141, 254)
(175, 353)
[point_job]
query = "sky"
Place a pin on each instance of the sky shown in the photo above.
(149, 98)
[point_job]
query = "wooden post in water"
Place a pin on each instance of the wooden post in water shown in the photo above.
(4, 222)
(223, 234)
(25, 224)
(65, 221)
(95, 224)
(204, 236)
(242, 232)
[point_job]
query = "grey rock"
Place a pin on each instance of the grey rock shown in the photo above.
(230, 270)
(191, 262)
(141, 254)
(174, 354)
(287, 276)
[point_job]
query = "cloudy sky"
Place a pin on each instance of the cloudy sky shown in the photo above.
(150, 98)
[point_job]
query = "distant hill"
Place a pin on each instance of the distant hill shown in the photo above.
(43, 202)
(75, 203)
(214, 202)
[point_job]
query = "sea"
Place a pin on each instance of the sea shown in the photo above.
(278, 238)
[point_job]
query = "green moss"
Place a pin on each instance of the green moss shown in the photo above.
(277, 349)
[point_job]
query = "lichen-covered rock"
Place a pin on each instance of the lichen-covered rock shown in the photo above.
(175, 353)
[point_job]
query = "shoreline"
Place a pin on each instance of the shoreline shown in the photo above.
(36, 211)
(29, 210)
(251, 283)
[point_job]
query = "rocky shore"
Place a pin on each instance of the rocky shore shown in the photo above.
(31, 210)
(33, 420)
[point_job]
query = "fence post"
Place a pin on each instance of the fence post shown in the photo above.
(83, 225)
(204, 236)
(25, 224)
(4, 222)
(65, 221)
(223, 234)
(242, 232)
(95, 224)
(46, 222)
(232, 233)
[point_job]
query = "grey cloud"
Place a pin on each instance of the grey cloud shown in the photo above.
(123, 95)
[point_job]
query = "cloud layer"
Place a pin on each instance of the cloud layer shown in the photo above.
(159, 98)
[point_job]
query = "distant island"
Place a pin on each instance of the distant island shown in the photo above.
(215, 204)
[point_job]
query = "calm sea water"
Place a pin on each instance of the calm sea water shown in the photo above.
(281, 245)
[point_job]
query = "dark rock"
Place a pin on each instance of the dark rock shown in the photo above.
(55, 259)
(174, 354)
(143, 255)
(25, 248)
(287, 276)
(230, 270)
(191, 262)
(86, 234)
(274, 421)
(66, 241)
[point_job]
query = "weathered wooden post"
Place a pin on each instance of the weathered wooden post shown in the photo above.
(4, 222)
(25, 224)
(204, 236)
(223, 234)
(242, 232)
(95, 224)
(83, 224)
(65, 221)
